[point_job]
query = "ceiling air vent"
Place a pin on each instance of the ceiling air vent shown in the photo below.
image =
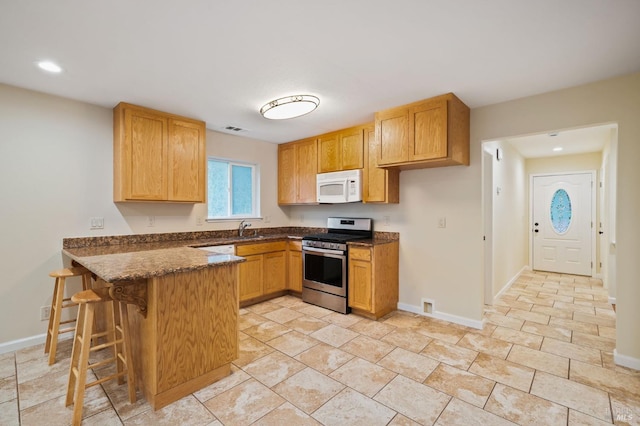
(235, 129)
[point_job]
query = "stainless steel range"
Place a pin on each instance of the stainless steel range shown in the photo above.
(324, 262)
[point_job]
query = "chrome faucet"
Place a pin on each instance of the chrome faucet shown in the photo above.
(243, 225)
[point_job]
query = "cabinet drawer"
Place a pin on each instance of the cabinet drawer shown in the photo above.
(360, 254)
(251, 249)
(295, 245)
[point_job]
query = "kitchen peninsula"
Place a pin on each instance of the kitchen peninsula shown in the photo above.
(184, 331)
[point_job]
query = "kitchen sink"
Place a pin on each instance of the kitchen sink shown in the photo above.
(224, 249)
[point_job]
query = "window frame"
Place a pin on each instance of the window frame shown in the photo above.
(255, 196)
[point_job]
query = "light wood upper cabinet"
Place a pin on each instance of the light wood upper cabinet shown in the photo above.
(379, 185)
(373, 279)
(342, 150)
(158, 156)
(429, 133)
(297, 169)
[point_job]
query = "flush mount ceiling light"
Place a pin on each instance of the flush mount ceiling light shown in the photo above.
(289, 107)
(49, 66)
(557, 149)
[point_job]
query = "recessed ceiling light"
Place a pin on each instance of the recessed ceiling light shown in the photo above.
(50, 66)
(557, 149)
(289, 107)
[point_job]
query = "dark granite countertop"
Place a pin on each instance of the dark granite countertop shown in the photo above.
(132, 257)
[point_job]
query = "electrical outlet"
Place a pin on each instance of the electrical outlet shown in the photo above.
(151, 221)
(386, 220)
(199, 221)
(302, 218)
(45, 313)
(267, 219)
(442, 222)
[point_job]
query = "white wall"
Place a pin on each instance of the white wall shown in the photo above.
(56, 162)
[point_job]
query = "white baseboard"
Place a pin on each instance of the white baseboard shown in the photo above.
(510, 283)
(626, 361)
(27, 342)
(442, 316)
(612, 300)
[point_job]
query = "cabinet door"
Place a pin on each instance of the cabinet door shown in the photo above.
(287, 187)
(145, 165)
(428, 134)
(352, 146)
(186, 161)
(375, 182)
(295, 270)
(329, 153)
(360, 285)
(275, 272)
(392, 134)
(307, 168)
(250, 277)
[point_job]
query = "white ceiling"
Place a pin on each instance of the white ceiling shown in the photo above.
(572, 141)
(220, 61)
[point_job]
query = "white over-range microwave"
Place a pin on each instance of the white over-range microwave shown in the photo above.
(339, 187)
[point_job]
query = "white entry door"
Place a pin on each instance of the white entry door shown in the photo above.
(562, 223)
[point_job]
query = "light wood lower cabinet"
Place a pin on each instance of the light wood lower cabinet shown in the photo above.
(264, 272)
(294, 266)
(373, 279)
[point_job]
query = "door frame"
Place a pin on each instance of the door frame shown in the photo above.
(594, 201)
(487, 214)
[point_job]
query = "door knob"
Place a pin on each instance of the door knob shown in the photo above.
(600, 232)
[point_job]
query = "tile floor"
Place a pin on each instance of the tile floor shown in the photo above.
(543, 358)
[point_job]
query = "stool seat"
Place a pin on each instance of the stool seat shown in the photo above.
(117, 338)
(58, 303)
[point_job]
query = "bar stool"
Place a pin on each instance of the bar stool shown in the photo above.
(117, 336)
(58, 303)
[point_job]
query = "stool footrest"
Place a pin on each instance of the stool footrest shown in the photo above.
(105, 379)
(101, 363)
(66, 330)
(106, 345)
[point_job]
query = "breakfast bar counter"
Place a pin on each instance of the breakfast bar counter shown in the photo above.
(185, 331)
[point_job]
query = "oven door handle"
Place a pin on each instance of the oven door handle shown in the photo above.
(321, 250)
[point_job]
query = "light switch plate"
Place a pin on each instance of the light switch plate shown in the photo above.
(96, 223)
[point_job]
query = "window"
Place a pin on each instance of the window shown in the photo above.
(233, 189)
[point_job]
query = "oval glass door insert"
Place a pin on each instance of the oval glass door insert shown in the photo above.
(560, 211)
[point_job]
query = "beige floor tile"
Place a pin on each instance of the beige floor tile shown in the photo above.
(608, 313)
(7, 366)
(363, 376)
(306, 324)
(374, 329)
(104, 418)
(594, 319)
(547, 331)
(578, 326)
(283, 315)
(46, 387)
(244, 403)
(9, 413)
(460, 413)
(529, 316)
(263, 308)
(440, 330)
(487, 329)
(273, 368)
(308, 389)
(605, 379)
(529, 340)
(576, 418)
(187, 410)
(266, 331)
(401, 395)
(496, 347)
(54, 412)
(37, 352)
(334, 335)
(403, 320)
(250, 350)
(570, 350)
(288, 301)
(315, 311)
(572, 307)
(324, 358)
(525, 409)
(505, 321)
(538, 360)
(367, 348)
(552, 312)
(466, 386)
(536, 300)
(407, 338)
(342, 320)
(236, 377)
(286, 414)
(608, 362)
(32, 369)
(409, 364)
(8, 389)
(572, 394)
(249, 320)
(292, 343)
(400, 420)
(119, 397)
(513, 303)
(453, 355)
(591, 341)
(556, 297)
(354, 409)
(505, 372)
(607, 332)
(625, 410)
